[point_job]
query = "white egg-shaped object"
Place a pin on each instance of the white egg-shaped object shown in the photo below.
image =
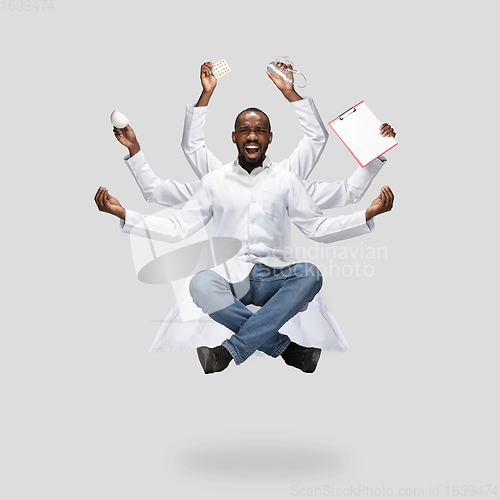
(118, 119)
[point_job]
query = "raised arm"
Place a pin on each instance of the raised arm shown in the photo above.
(201, 159)
(167, 192)
(305, 214)
(304, 157)
(154, 190)
(302, 160)
(308, 151)
(193, 144)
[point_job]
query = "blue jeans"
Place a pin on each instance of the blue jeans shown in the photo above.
(281, 293)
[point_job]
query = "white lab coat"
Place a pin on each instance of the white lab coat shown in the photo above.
(315, 326)
(255, 210)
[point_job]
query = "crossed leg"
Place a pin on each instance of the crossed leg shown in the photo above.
(281, 293)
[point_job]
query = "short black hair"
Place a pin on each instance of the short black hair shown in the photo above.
(256, 110)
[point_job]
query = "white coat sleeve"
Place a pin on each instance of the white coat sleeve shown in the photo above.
(155, 190)
(307, 153)
(306, 215)
(340, 193)
(194, 215)
(202, 160)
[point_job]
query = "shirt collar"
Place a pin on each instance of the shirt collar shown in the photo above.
(240, 170)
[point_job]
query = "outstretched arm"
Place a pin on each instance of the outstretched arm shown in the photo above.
(195, 214)
(340, 193)
(310, 220)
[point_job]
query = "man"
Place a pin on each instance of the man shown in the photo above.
(172, 193)
(251, 200)
(302, 161)
(316, 326)
(304, 157)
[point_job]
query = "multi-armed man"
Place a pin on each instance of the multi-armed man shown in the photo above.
(251, 199)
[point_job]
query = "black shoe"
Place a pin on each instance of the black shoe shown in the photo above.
(214, 359)
(303, 358)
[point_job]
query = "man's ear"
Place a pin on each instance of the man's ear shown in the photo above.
(234, 137)
(270, 137)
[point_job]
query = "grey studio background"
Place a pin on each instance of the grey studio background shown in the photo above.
(88, 412)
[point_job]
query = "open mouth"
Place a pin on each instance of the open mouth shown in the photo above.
(252, 150)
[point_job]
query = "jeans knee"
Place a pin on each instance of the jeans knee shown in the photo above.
(200, 283)
(210, 291)
(312, 275)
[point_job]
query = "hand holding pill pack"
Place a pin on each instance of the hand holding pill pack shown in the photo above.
(220, 68)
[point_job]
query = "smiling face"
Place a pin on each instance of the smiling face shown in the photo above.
(252, 136)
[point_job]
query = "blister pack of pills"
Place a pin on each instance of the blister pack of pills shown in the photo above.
(220, 68)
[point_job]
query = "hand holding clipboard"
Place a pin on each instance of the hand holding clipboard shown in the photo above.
(359, 129)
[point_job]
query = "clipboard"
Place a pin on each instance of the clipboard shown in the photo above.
(358, 128)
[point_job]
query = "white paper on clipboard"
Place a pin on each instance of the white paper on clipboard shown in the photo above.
(358, 128)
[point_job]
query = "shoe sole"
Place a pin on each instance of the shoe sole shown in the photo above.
(310, 365)
(204, 355)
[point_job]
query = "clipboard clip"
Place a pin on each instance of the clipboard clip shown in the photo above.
(345, 114)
